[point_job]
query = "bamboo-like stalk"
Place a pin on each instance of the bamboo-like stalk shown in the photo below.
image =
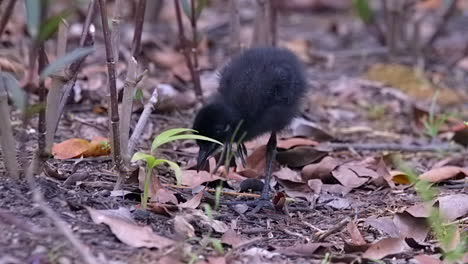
(114, 111)
(6, 15)
(7, 141)
(187, 53)
(234, 27)
(139, 21)
(126, 108)
(116, 25)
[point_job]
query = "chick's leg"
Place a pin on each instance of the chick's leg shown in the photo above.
(270, 158)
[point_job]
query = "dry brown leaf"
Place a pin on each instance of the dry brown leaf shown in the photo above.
(305, 128)
(399, 177)
(230, 237)
(420, 209)
(385, 247)
(216, 260)
(182, 227)
(384, 224)
(126, 230)
(286, 173)
(299, 156)
(194, 202)
(257, 161)
(299, 46)
(356, 236)
(443, 173)
(303, 250)
(76, 147)
(156, 192)
(352, 175)
(192, 178)
(410, 226)
(321, 170)
(453, 206)
(294, 142)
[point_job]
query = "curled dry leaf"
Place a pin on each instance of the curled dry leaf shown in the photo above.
(194, 202)
(321, 170)
(352, 175)
(230, 237)
(384, 224)
(299, 156)
(444, 173)
(295, 142)
(126, 230)
(303, 250)
(453, 206)
(385, 247)
(399, 177)
(286, 173)
(76, 147)
(356, 236)
(182, 227)
(201, 218)
(192, 178)
(410, 226)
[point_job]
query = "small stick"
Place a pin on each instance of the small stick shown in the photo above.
(7, 14)
(333, 229)
(234, 27)
(442, 24)
(149, 106)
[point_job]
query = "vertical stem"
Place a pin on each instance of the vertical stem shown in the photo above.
(149, 172)
(7, 14)
(234, 26)
(139, 21)
(186, 52)
(114, 113)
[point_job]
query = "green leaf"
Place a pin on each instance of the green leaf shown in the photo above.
(187, 7)
(175, 168)
(164, 136)
(14, 90)
(64, 61)
(33, 16)
(34, 109)
(363, 10)
(49, 27)
(151, 161)
(201, 4)
(217, 245)
(186, 136)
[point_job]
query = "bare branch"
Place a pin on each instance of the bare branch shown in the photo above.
(7, 14)
(139, 21)
(149, 106)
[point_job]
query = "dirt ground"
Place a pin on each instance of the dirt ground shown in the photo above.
(345, 100)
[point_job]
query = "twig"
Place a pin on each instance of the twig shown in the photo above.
(62, 226)
(261, 32)
(114, 110)
(6, 15)
(186, 52)
(332, 146)
(7, 141)
(126, 107)
(333, 229)
(234, 27)
(149, 106)
(139, 21)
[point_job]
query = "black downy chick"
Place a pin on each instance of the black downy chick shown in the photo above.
(261, 87)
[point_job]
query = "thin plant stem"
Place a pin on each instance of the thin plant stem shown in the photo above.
(6, 15)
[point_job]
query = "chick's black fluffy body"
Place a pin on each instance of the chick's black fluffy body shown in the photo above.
(262, 87)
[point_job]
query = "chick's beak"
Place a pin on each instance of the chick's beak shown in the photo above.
(203, 154)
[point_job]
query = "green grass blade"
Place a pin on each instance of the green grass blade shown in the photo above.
(64, 61)
(165, 136)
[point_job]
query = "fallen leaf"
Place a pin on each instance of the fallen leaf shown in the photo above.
(299, 156)
(356, 236)
(126, 230)
(201, 218)
(420, 209)
(156, 192)
(384, 224)
(192, 178)
(399, 177)
(460, 135)
(385, 247)
(194, 202)
(444, 173)
(410, 226)
(453, 206)
(351, 175)
(286, 173)
(334, 202)
(305, 128)
(76, 147)
(295, 142)
(233, 239)
(303, 250)
(321, 170)
(182, 227)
